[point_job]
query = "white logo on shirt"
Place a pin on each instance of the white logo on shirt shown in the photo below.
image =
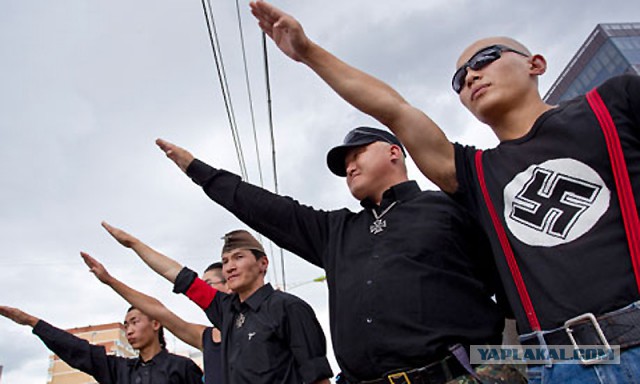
(251, 335)
(555, 202)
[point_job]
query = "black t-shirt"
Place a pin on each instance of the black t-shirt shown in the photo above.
(554, 193)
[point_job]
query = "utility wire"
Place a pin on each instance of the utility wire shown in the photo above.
(273, 142)
(217, 54)
(246, 77)
(274, 272)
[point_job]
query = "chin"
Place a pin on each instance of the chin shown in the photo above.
(358, 194)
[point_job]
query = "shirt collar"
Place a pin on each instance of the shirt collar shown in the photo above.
(157, 359)
(256, 299)
(400, 192)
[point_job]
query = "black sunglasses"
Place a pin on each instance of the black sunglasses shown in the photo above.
(479, 60)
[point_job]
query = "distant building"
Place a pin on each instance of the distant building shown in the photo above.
(112, 336)
(610, 50)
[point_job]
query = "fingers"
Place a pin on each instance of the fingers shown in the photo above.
(5, 311)
(113, 231)
(88, 260)
(11, 313)
(266, 11)
(164, 145)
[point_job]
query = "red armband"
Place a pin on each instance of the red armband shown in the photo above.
(201, 293)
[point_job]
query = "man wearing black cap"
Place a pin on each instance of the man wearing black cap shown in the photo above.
(268, 336)
(410, 278)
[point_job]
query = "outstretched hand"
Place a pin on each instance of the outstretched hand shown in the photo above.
(18, 316)
(179, 155)
(282, 28)
(96, 268)
(121, 236)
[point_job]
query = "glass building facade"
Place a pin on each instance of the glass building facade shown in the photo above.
(610, 50)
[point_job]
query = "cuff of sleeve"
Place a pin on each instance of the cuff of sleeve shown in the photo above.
(200, 172)
(316, 369)
(40, 328)
(184, 280)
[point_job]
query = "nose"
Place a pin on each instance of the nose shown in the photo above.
(350, 167)
(471, 77)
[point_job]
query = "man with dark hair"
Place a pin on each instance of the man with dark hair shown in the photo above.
(204, 338)
(268, 336)
(410, 276)
(557, 196)
(154, 365)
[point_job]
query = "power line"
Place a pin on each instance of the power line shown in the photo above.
(273, 141)
(217, 54)
(246, 76)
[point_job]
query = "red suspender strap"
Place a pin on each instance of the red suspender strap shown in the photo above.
(621, 176)
(506, 248)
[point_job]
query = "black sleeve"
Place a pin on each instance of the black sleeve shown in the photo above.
(465, 195)
(205, 297)
(299, 229)
(307, 342)
(79, 353)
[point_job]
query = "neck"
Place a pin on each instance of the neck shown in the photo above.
(244, 294)
(517, 122)
(377, 198)
(149, 352)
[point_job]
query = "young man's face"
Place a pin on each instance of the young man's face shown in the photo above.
(243, 272)
(215, 279)
(490, 91)
(366, 168)
(140, 329)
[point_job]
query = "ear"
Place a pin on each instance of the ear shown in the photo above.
(264, 264)
(155, 324)
(395, 152)
(538, 65)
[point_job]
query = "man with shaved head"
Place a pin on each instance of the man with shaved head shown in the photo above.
(556, 196)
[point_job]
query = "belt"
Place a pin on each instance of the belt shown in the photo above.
(621, 327)
(438, 372)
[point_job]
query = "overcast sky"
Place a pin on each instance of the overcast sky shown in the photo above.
(86, 87)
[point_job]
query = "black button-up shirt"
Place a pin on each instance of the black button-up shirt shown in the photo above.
(398, 298)
(271, 337)
(163, 368)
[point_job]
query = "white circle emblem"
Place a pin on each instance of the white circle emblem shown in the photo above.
(554, 202)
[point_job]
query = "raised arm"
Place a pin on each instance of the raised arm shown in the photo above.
(298, 228)
(188, 332)
(163, 265)
(76, 352)
(179, 155)
(18, 316)
(425, 141)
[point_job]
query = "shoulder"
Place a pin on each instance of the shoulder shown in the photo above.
(290, 302)
(180, 360)
(620, 85)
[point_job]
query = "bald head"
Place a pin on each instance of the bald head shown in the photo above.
(489, 41)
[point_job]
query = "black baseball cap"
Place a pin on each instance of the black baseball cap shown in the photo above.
(356, 138)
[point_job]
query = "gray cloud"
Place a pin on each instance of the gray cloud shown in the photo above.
(88, 86)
